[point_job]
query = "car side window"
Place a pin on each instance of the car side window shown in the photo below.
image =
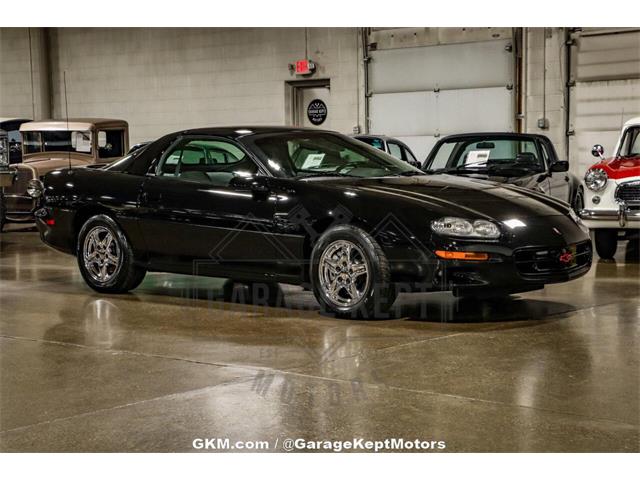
(395, 150)
(209, 161)
(409, 155)
(110, 143)
(373, 141)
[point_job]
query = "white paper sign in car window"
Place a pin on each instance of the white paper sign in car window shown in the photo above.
(82, 142)
(313, 160)
(477, 156)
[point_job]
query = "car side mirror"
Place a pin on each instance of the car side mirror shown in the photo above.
(598, 151)
(560, 166)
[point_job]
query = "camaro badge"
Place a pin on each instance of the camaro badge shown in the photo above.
(566, 257)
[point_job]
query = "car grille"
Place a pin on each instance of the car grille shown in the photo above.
(546, 262)
(17, 199)
(19, 187)
(628, 193)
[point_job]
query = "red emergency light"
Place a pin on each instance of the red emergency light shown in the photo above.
(304, 67)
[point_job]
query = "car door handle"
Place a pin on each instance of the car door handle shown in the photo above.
(146, 198)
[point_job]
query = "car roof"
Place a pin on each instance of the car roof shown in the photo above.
(72, 124)
(494, 134)
(371, 135)
(245, 131)
(4, 120)
(632, 121)
(386, 138)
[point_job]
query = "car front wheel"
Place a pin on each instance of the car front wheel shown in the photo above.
(350, 274)
(105, 257)
(606, 240)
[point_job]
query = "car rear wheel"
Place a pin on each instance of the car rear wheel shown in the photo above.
(606, 240)
(105, 257)
(350, 274)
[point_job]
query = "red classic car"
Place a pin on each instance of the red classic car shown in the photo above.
(612, 199)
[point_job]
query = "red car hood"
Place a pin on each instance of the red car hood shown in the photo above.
(619, 167)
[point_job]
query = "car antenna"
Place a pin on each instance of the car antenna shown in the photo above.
(66, 114)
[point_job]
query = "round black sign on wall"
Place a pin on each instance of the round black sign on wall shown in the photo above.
(317, 111)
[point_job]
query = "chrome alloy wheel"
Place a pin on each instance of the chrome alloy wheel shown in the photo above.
(344, 273)
(101, 255)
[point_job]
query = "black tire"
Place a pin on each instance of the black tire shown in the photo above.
(126, 275)
(378, 293)
(578, 201)
(606, 240)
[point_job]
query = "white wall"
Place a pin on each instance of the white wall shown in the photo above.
(162, 80)
(23, 83)
(545, 81)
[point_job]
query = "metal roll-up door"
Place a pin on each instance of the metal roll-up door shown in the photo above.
(605, 90)
(420, 93)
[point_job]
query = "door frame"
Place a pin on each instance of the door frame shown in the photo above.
(292, 89)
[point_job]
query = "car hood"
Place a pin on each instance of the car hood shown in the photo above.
(620, 167)
(454, 195)
(50, 164)
(44, 166)
(524, 181)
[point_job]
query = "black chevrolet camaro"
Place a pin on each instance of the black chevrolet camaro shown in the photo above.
(306, 207)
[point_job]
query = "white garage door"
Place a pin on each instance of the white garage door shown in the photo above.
(419, 94)
(606, 71)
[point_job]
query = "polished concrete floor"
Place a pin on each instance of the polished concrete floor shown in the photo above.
(555, 370)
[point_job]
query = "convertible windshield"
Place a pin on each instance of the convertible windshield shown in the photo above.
(306, 154)
(486, 154)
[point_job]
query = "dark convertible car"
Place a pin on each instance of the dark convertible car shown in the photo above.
(523, 159)
(275, 204)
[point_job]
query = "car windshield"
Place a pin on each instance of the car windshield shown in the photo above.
(630, 145)
(305, 154)
(57, 141)
(501, 155)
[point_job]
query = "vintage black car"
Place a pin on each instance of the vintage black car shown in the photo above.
(12, 127)
(307, 207)
(525, 160)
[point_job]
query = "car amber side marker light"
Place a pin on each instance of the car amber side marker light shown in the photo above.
(462, 255)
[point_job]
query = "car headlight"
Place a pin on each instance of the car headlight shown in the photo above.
(459, 227)
(596, 179)
(35, 188)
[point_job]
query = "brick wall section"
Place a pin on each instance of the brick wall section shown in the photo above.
(162, 80)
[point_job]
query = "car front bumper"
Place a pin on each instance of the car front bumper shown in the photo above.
(621, 218)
